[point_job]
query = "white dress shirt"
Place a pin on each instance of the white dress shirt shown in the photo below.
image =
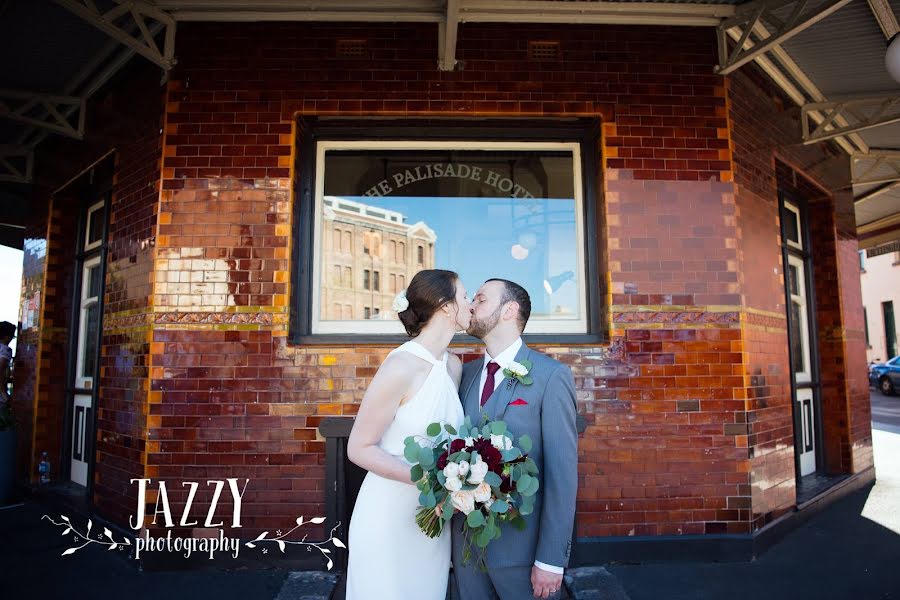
(503, 359)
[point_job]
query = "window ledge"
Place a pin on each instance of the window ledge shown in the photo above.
(538, 340)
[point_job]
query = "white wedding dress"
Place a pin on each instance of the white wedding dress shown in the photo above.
(390, 557)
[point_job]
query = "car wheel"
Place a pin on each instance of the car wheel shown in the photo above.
(886, 387)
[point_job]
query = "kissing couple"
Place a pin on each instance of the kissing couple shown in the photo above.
(421, 382)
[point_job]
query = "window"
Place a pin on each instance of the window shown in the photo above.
(862, 261)
(348, 277)
(94, 233)
(866, 324)
(336, 276)
(454, 199)
(347, 244)
(336, 240)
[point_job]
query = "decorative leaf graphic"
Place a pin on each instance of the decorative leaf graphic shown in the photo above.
(68, 529)
(107, 533)
(318, 520)
(261, 536)
(330, 564)
(113, 547)
(281, 546)
(90, 523)
(69, 551)
(65, 518)
(250, 545)
(338, 543)
(300, 520)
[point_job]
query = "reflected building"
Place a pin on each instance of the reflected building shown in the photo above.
(369, 254)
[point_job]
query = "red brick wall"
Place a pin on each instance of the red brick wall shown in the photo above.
(686, 406)
(765, 132)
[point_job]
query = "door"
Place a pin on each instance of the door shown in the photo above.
(798, 270)
(90, 292)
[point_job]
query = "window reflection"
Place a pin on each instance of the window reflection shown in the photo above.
(483, 213)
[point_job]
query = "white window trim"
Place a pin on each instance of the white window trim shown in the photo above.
(797, 262)
(86, 302)
(799, 243)
(535, 326)
(87, 227)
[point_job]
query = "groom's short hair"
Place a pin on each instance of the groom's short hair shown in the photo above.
(512, 291)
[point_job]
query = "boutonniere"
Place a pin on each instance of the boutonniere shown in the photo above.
(519, 371)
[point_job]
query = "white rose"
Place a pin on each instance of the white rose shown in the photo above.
(477, 472)
(463, 501)
(451, 470)
(400, 302)
(501, 442)
(463, 469)
(482, 492)
(517, 369)
(469, 441)
(453, 484)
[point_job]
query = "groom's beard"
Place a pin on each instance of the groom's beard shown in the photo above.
(478, 328)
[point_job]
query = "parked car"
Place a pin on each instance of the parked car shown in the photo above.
(886, 376)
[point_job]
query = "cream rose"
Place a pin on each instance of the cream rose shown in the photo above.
(463, 468)
(517, 369)
(463, 501)
(501, 442)
(451, 470)
(482, 493)
(453, 484)
(477, 472)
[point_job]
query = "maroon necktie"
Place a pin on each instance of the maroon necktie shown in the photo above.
(489, 382)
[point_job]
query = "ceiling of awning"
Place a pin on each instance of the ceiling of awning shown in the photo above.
(61, 51)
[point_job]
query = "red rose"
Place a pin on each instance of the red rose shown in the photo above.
(442, 461)
(457, 445)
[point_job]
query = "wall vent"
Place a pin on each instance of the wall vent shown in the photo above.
(543, 50)
(351, 48)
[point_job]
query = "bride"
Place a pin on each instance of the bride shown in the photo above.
(417, 384)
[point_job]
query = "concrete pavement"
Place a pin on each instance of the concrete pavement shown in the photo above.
(851, 550)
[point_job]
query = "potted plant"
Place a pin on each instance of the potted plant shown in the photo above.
(7, 453)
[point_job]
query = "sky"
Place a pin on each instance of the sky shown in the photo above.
(10, 292)
(478, 237)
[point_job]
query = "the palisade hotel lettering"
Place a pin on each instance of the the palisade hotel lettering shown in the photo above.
(447, 170)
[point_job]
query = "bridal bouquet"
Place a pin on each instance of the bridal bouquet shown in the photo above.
(477, 471)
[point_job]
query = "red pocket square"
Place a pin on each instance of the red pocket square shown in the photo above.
(519, 402)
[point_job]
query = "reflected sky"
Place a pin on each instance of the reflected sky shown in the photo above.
(524, 240)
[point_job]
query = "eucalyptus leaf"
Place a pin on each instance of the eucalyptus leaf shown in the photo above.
(526, 380)
(499, 506)
(411, 452)
(433, 429)
(442, 479)
(498, 428)
(518, 523)
(450, 429)
(426, 458)
(410, 439)
(492, 479)
(427, 499)
(482, 539)
(416, 473)
(523, 481)
(525, 443)
(475, 519)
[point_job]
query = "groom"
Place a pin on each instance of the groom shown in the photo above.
(530, 562)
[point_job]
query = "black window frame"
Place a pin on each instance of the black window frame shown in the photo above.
(311, 130)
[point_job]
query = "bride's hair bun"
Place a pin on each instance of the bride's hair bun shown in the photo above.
(428, 291)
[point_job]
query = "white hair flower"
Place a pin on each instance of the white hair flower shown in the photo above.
(400, 302)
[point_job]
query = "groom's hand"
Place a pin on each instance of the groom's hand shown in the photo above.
(544, 583)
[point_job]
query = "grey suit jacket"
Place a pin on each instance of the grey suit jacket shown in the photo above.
(549, 419)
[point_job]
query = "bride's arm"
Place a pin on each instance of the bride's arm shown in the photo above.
(388, 389)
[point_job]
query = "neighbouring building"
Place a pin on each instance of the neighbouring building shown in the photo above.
(880, 276)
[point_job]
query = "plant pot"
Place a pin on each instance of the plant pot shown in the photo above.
(7, 465)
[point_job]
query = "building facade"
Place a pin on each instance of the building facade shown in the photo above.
(880, 277)
(667, 209)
